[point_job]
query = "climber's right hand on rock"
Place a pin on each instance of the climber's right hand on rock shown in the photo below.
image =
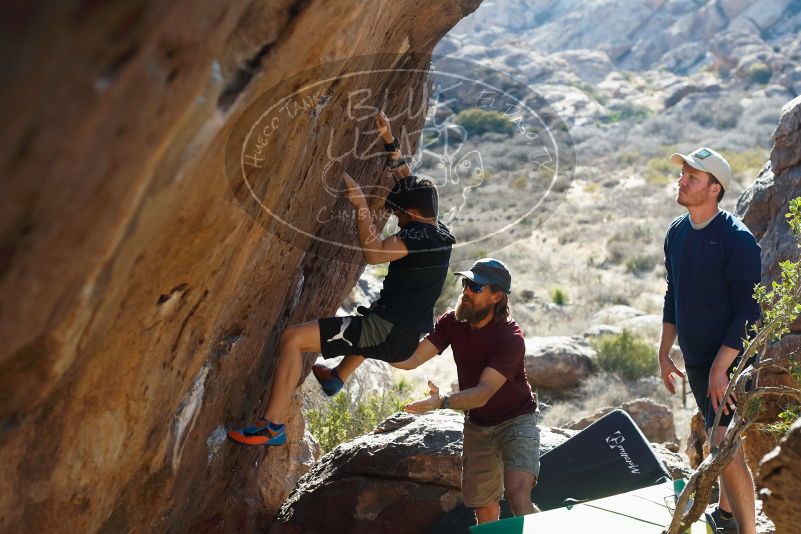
(353, 192)
(384, 130)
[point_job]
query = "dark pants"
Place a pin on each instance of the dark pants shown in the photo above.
(698, 377)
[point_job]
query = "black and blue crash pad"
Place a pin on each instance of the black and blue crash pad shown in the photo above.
(609, 457)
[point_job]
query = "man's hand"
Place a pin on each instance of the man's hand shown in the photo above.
(668, 368)
(353, 192)
(384, 130)
(718, 382)
(433, 402)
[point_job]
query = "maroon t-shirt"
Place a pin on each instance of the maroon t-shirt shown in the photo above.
(497, 345)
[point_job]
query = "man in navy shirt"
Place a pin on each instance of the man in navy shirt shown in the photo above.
(712, 262)
(500, 451)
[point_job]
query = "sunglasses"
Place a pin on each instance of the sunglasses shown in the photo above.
(473, 286)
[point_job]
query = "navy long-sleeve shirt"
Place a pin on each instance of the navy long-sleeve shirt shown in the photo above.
(711, 275)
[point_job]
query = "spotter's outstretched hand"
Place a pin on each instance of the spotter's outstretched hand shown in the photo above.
(433, 402)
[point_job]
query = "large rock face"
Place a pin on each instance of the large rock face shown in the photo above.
(762, 207)
(140, 304)
(400, 478)
(781, 480)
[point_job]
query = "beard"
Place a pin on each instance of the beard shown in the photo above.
(466, 313)
(690, 200)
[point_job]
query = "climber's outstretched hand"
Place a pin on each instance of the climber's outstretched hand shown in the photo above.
(353, 192)
(382, 124)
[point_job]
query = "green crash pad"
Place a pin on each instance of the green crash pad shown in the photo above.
(647, 510)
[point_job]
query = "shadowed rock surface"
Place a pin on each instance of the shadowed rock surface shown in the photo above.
(141, 305)
(781, 479)
(400, 478)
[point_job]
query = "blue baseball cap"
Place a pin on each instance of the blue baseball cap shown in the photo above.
(489, 271)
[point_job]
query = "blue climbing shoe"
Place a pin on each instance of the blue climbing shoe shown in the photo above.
(328, 379)
(256, 427)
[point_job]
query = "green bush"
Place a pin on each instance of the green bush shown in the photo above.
(760, 73)
(786, 419)
(627, 355)
(641, 264)
(478, 121)
(558, 296)
(345, 418)
(625, 112)
(520, 183)
(630, 157)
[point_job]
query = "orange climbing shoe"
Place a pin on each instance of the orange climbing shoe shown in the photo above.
(263, 432)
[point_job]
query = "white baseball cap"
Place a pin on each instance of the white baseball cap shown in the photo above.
(707, 160)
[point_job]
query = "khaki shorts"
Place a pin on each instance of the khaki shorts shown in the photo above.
(488, 451)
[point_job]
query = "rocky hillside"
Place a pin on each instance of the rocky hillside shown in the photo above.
(623, 74)
(140, 303)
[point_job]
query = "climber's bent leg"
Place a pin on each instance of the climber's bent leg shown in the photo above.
(295, 340)
(348, 364)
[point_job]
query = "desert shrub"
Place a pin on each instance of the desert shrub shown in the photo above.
(760, 118)
(520, 154)
(718, 114)
(558, 296)
(627, 355)
(621, 244)
(592, 92)
(629, 157)
(562, 183)
(591, 187)
(759, 73)
(659, 171)
(786, 417)
(478, 121)
(625, 112)
(345, 418)
(506, 164)
(519, 183)
(745, 163)
(640, 264)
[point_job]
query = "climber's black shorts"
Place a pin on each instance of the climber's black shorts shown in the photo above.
(698, 378)
(366, 335)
